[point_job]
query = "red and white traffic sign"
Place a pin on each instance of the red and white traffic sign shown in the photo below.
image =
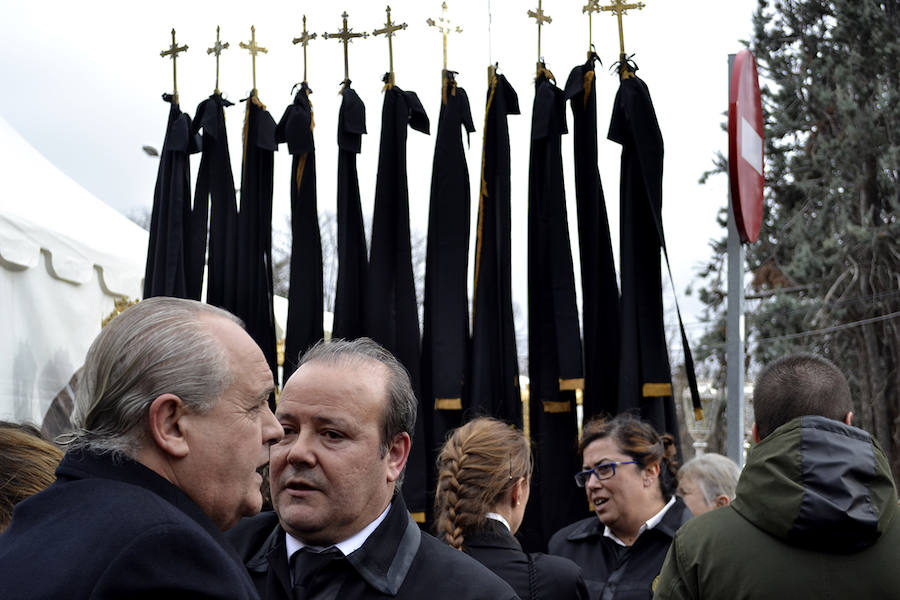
(745, 146)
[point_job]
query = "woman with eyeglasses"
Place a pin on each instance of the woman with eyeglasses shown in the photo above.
(484, 474)
(629, 475)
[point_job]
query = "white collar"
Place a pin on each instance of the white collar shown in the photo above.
(648, 524)
(498, 517)
(351, 544)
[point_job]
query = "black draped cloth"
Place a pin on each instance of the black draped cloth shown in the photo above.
(215, 189)
(445, 329)
(351, 236)
(170, 222)
(493, 387)
(391, 312)
(254, 294)
(554, 342)
(599, 288)
(305, 298)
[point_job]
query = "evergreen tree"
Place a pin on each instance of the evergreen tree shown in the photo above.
(826, 269)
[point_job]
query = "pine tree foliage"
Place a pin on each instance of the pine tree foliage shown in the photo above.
(826, 269)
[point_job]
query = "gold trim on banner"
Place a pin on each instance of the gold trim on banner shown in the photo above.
(448, 403)
(557, 406)
(652, 390)
(571, 384)
(418, 517)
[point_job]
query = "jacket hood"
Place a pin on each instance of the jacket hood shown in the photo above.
(818, 483)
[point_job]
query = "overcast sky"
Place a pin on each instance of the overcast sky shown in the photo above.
(83, 81)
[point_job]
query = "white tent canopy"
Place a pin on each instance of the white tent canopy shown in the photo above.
(65, 257)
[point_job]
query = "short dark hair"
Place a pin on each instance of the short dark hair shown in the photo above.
(797, 385)
(639, 440)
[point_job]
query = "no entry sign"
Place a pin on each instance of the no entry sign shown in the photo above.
(745, 146)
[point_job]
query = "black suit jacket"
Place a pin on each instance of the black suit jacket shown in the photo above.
(533, 576)
(396, 561)
(115, 529)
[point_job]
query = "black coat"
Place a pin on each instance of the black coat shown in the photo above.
(533, 576)
(109, 530)
(614, 572)
(396, 561)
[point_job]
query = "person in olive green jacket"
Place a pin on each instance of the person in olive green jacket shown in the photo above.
(816, 511)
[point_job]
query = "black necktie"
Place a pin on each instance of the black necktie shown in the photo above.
(305, 564)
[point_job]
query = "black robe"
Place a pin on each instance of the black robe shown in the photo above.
(554, 340)
(493, 387)
(166, 273)
(349, 292)
(215, 186)
(305, 297)
(255, 293)
(445, 329)
(391, 311)
(599, 289)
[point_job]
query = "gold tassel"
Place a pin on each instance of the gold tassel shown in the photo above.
(588, 82)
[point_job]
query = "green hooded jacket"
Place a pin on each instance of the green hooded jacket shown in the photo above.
(815, 517)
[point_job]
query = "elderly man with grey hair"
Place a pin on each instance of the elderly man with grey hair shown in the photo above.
(707, 481)
(172, 424)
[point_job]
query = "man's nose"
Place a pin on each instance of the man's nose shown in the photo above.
(271, 428)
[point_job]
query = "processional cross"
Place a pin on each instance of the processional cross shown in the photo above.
(443, 25)
(345, 35)
(254, 49)
(593, 6)
(541, 18)
(217, 50)
(304, 39)
(388, 31)
(619, 7)
(173, 51)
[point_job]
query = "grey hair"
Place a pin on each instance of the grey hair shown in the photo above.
(402, 406)
(716, 475)
(158, 346)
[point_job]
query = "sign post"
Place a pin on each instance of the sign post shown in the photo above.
(745, 170)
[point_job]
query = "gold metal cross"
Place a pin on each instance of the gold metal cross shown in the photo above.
(345, 35)
(388, 31)
(253, 48)
(620, 8)
(541, 18)
(217, 50)
(593, 6)
(443, 25)
(304, 40)
(173, 51)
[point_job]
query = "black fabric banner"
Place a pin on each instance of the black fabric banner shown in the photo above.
(445, 328)
(305, 297)
(493, 387)
(215, 187)
(599, 288)
(349, 295)
(254, 295)
(554, 342)
(170, 221)
(391, 312)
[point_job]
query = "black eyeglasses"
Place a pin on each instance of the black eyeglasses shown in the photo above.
(601, 471)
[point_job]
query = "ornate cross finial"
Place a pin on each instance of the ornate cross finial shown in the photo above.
(388, 31)
(217, 50)
(304, 39)
(345, 35)
(541, 18)
(254, 49)
(620, 8)
(593, 6)
(443, 25)
(173, 51)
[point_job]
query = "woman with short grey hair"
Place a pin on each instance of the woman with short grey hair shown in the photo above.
(708, 481)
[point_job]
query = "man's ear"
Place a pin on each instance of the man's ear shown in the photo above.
(397, 455)
(848, 418)
(166, 426)
(755, 433)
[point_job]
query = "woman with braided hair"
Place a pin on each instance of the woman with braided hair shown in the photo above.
(629, 474)
(484, 474)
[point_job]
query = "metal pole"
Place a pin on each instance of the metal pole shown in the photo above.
(735, 330)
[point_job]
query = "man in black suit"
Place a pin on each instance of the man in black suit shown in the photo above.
(340, 527)
(172, 423)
